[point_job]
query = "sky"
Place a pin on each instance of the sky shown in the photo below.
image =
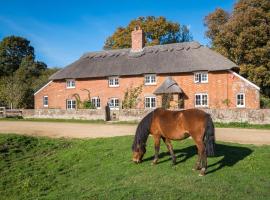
(62, 30)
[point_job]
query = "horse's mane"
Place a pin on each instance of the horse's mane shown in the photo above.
(142, 132)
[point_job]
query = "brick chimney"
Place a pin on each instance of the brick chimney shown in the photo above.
(137, 39)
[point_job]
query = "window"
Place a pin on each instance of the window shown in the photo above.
(114, 81)
(70, 83)
(240, 100)
(71, 104)
(201, 77)
(150, 102)
(45, 101)
(201, 100)
(95, 102)
(150, 79)
(114, 103)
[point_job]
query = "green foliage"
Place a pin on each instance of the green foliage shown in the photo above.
(20, 74)
(158, 30)
(264, 102)
(43, 168)
(131, 97)
(227, 102)
(166, 99)
(12, 51)
(243, 36)
(84, 104)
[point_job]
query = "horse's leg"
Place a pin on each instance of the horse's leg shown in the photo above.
(202, 158)
(157, 146)
(170, 148)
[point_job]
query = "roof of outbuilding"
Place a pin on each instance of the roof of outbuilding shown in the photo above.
(169, 86)
(159, 59)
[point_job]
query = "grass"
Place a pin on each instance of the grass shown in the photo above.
(43, 168)
(217, 124)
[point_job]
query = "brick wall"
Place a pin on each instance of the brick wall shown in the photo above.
(222, 87)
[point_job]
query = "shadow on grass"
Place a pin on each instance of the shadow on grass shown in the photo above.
(230, 155)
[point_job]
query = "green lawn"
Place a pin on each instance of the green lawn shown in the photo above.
(217, 124)
(43, 168)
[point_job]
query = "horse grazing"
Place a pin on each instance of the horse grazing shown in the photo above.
(176, 125)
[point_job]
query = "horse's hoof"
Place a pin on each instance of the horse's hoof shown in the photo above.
(202, 172)
(154, 162)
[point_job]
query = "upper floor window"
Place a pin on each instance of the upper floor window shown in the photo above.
(114, 81)
(201, 100)
(71, 104)
(150, 102)
(240, 100)
(201, 77)
(45, 101)
(150, 79)
(96, 102)
(114, 103)
(70, 83)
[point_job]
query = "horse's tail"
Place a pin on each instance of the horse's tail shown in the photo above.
(209, 137)
(142, 132)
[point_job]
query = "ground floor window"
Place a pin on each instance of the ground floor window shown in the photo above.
(150, 102)
(240, 100)
(201, 100)
(71, 104)
(114, 103)
(45, 101)
(95, 102)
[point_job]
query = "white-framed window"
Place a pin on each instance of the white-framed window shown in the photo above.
(71, 104)
(70, 83)
(201, 100)
(201, 77)
(150, 102)
(150, 79)
(240, 100)
(45, 101)
(96, 102)
(114, 103)
(114, 81)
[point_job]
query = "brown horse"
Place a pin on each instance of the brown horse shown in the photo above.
(176, 125)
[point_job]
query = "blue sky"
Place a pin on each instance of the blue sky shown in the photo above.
(61, 31)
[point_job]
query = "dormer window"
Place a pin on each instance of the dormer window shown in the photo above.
(70, 83)
(114, 81)
(201, 77)
(150, 79)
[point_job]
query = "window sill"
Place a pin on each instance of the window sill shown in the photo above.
(240, 106)
(70, 87)
(113, 86)
(150, 84)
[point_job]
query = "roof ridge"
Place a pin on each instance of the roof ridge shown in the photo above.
(147, 49)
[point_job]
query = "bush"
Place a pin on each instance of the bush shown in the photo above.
(264, 102)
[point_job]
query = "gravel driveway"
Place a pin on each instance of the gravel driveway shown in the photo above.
(77, 130)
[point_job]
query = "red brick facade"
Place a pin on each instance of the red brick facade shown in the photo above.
(222, 89)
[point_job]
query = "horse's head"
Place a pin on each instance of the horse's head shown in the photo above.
(138, 153)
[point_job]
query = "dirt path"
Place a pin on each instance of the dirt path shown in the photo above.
(76, 130)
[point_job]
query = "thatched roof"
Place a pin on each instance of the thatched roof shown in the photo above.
(169, 86)
(159, 59)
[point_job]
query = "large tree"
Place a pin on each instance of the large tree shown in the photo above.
(21, 74)
(158, 30)
(12, 50)
(244, 37)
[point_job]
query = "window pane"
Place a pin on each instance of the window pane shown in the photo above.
(198, 100)
(204, 100)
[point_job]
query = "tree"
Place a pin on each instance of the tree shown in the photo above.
(244, 37)
(158, 30)
(12, 50)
